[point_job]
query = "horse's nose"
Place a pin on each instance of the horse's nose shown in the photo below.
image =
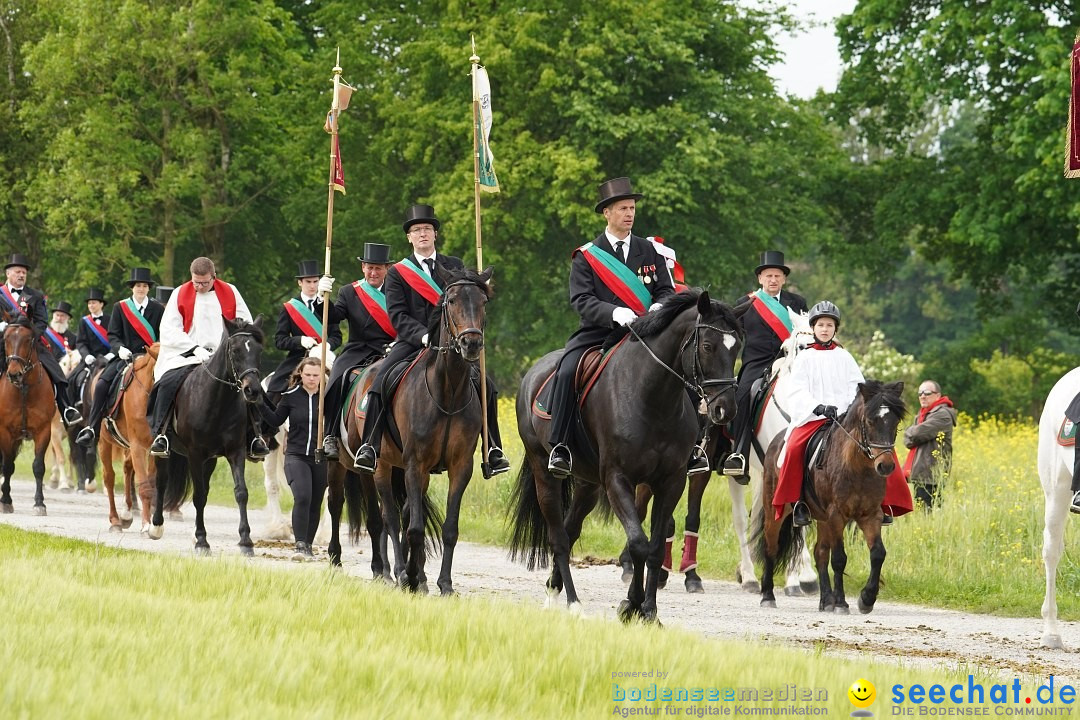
(885, 467)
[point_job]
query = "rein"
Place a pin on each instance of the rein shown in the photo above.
(866, 446)
(455, 338)
(237, 379)
(26, 363)
(695, 385)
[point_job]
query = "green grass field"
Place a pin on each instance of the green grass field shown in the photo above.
(981, 551)
(92, 632)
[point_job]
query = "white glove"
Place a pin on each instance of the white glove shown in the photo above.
(308, 342)
(623, 316)
(109, 357)
(90, 360)
(3, 326)
(423, 340)
(326, 285)
(654, 307)
(201, 354)
(124, 353)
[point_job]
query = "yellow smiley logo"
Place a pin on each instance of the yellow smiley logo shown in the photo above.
(862, 693)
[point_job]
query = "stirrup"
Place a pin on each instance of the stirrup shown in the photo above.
(735, 465)
(367, 466)
(800, 514)
(86, 437)
(555, 466)
(160, 453)
(699, 462)
(1075, 506)
(70, 416)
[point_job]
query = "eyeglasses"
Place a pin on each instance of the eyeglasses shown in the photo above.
(925, 393)
(419, 230)
(205, 283)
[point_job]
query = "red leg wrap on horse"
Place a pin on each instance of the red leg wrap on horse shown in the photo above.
(689, 551)
(667, 553)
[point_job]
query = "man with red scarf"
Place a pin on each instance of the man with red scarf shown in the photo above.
(191, 329)
(930, 442)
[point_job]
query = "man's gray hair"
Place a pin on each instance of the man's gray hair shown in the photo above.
(202, 266)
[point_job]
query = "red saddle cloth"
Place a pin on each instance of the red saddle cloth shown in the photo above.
(789, 485)
(592, 363)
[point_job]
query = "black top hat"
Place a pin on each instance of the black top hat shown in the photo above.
(616, 189)
(18, 259)
(376, 253)
(95, 294)
(138, 275)
(772, 259)
(420, 214)
(308, 268)
(162, 293)
(64, 307)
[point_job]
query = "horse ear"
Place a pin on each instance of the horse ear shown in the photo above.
(486, 275)
(230, 325)
(896, 387)
(703, 302)
(440, 275)
(258, 321)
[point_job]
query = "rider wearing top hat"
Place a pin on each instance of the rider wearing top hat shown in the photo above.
(613, 280)
(410, 314)
(363, 304)
(767, 325)
(299, 327)
(61, 339)
(133, 327)
(18, 299)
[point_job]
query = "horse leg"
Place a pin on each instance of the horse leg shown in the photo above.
(157, 521)
(40, 446)
(642, 496)
(240, 492)
(335, 501)
(839, 562)
(872, 532)
(129, 490)
(380, 561)
(744, 571)
(568, 529)
(664, 504)
(688, 564)
(108, 479)
(414, 485)
(278, 527)
(144, 487)
(1055, 515)
(200, 484)
(8, 461)
(620, 492)
(459, 480)
(391, 515)
(822, 553)
(770, 540)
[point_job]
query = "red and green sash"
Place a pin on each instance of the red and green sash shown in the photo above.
(96, 329)
(185, 301)
(773, 313)
(57, 340)
(138, 322)
(618, 278)
(419, 281)
(301, 314)
(374, 301)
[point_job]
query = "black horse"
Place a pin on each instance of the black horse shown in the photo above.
(641, 426)
(213, 412)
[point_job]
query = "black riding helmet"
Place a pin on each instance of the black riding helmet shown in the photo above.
(825, 309)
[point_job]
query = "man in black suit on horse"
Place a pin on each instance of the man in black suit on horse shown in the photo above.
(133, 327)
(411, 301)
(613, 280)
(19, 299)
(61, 339)
(767, 325)
(363, 304)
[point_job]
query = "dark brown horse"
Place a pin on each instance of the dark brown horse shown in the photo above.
(437, 411)
(26, 406)
(642, 426)
(846, 486)
(128, 436)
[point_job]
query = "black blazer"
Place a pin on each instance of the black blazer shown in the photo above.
(69, 340)
(88, 343)
(366, 336)
(409, 312)
(288, 337)
(32, 303)
(122, 333)
(594, 302)
(762, 344)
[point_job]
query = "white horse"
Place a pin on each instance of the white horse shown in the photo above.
(58, 476)
(802, 577)
(1055, 472)
(279, 527)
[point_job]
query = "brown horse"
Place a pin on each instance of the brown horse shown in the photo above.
(128, 436)
(846, 486)
(26, 406)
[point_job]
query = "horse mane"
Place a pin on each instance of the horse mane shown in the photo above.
(654, 322)
(875, 393)
(248, 327)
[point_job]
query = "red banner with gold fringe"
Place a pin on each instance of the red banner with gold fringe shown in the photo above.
(1072, 133)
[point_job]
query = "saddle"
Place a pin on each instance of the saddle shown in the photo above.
(588, 370)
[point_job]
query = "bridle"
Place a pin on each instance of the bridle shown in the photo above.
(237, 379)
(26, 363)
(865, 445)
(696, 383)
(448, 323)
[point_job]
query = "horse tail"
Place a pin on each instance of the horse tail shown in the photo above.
(433, 514)
(789, 543)
(528, 532)
(177, 481)
(355, 504)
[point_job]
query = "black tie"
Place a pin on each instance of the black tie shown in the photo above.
(311, 304)
(140, 309)
(619, 249)
(430, 262)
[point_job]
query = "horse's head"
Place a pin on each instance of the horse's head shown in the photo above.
(20, 351)
(873, 421)
(801, 336)
(461, 315)
(242, 348)
(711, 339)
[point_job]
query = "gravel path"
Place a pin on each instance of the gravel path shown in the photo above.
(910, 634)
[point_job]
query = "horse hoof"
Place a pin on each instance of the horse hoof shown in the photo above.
(422, 588)
(145, 530)
(793, 591)
(156, 532)
(54, 484)
(245, 550)
(66, 489)
(91, 487)
(627, 574)
(694, 587)
(864, 608)
(115, 529)
(126, 522)
(80, 491)
(450, 592)
(576, 609)
(1052, 642)
(626, 611)
(661, 582)
(809, 587)
(826, 608)
(7, 508)
(752, 587)
(202, 550)
(842, 610)
(39, 510)
(175, 515)
(768, 604)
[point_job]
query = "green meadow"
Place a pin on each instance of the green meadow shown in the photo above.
(92, 632)
(980, 551)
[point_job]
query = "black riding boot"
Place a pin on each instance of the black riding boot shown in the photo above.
(89, 434)
(496, 459)
(736, 465)
(1074, 506)
(69, 414)
(367, 457)
(800, 514)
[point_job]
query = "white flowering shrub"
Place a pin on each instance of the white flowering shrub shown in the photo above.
(881, 361)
